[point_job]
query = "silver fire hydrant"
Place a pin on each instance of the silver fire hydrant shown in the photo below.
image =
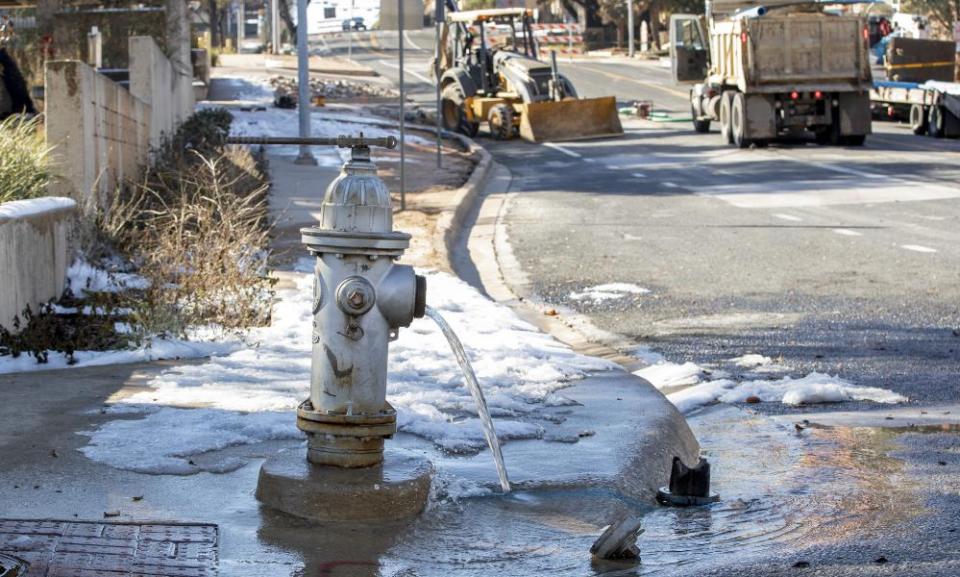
(361, 300)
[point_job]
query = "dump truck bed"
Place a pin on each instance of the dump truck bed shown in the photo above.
(784, 51)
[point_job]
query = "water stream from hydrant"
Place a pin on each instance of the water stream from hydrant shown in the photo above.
(471, 378)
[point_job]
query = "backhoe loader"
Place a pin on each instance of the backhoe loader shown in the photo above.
(489, 72)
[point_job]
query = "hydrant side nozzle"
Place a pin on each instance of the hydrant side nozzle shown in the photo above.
(420, 298)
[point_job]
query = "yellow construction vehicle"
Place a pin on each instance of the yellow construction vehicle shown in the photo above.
(489, 72)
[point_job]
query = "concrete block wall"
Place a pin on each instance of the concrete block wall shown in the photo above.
(160, 85)
(33, 253)
(100, 131)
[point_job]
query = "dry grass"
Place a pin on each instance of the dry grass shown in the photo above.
(24, 160)
(197, 228)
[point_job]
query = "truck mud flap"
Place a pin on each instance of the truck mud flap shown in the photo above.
(854, 113)
(573, 119)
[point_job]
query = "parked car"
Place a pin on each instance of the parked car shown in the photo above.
(355, 23)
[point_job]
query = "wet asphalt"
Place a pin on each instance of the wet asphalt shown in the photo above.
(830, 259)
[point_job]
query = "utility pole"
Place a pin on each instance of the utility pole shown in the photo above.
(403, 157)
(438, 22)
(630, 44)
(303, 84)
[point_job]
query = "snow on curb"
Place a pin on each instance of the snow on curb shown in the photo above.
(249, 395)
(699, 387)
(17, 209)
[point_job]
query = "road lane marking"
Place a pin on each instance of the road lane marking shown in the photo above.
(406, 70)
(683, 95)
(411, 42)
(671, 184)
(639, 175)
(847, 232)
(918, 248)
(562, 149)
(789, 217)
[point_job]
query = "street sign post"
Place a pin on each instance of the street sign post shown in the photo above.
(438, 22)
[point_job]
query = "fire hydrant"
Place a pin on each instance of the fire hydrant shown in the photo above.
(361, 300)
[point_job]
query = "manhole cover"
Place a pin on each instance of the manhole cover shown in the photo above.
(12, 567)
(82, 549)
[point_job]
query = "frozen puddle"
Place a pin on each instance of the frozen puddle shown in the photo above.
(777, 492)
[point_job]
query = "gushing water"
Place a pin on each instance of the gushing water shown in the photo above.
(471, 378)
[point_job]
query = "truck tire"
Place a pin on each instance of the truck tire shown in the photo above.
(854, 139)
(699, 126)
(738, 121)
(500, 119)
(454, 115)
(918, 119)
(935, 122)
(726, 134)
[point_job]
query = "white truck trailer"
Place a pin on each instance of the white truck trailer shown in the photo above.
(931, 107)
(781, 66)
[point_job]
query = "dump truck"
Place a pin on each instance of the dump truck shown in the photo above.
(780, 67)
(490, 72)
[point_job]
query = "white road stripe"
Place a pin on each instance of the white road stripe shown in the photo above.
(671, 184)
(639, 175)
(406, 70)
(566, 151)
(847, 232)
(918, 248)
(411, 42)
(789, 217)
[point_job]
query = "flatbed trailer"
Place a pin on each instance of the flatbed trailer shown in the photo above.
(931, 108)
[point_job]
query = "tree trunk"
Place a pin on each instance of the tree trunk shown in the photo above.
(214, 24)
(287, 18)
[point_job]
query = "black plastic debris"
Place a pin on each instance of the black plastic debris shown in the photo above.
(689, 486)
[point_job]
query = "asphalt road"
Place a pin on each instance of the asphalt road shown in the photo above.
(829, 259)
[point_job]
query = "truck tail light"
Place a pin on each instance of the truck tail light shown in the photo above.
(818, 95)
(794, 95)
(866, 34)
(743, 37)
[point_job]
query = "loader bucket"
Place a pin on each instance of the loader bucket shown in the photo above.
(572, 119)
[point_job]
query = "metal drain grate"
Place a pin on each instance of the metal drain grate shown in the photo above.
(85, 549)
(12, 567)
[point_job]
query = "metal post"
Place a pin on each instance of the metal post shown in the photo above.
(350, 33)
(438, 21)
(303, 84)
(241, 24)
(275, 25)
(403, 157)
(630, 42)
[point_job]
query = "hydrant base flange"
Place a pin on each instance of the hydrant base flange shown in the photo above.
(396, 489)
(343, 440)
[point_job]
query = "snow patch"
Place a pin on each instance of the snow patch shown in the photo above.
(609, 291)
(666, 375)
(83, 277)
(814, 388)
(249, 394)
(24, 208)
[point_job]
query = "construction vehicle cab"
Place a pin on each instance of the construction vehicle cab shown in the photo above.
(490, 73)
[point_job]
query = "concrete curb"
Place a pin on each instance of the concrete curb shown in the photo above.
(645, 451)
